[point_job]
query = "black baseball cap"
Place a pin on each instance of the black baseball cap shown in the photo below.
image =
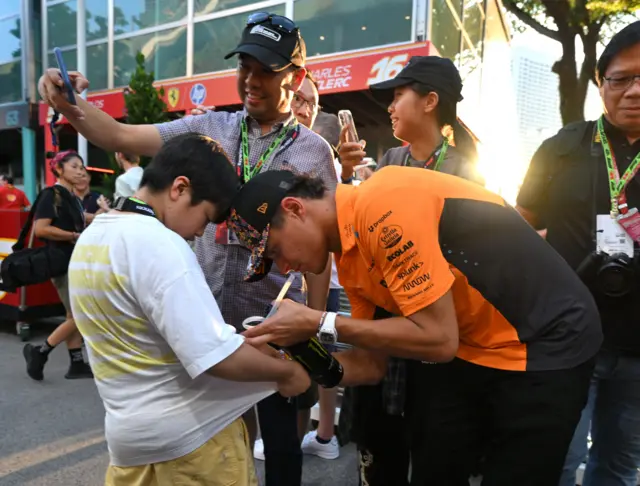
(436, 73)
(274, 40)
(252, 210)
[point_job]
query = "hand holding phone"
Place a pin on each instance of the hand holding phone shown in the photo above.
(68, 87)
(346, 120)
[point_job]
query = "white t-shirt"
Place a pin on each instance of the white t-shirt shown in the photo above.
(335, 284)
(152, 329)
(127, 184)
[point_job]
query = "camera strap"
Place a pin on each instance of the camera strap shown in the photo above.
(134, 205)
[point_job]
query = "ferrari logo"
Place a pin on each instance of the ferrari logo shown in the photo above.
(174, 97)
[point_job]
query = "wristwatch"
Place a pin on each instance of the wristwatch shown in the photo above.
(327, 333)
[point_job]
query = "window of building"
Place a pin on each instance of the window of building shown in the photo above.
(214, 39)
(165, 53)
(473, 23)
(204, 7)
(133, 15)
(445, 31)
(355, 24)
(11, 82)
(9, 38)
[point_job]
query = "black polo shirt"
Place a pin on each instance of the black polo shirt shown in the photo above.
(565, 188)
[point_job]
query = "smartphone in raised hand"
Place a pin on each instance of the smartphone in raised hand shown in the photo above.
(346, 120)
(68, 87)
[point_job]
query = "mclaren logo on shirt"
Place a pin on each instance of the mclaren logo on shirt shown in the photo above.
(410, 271)
(416, 282)
(373, 227)
(400, 251)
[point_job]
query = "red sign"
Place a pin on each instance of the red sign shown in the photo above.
(335, 74)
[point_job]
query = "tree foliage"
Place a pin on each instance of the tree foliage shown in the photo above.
(564, 21)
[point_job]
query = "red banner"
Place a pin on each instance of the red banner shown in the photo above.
(335, 74)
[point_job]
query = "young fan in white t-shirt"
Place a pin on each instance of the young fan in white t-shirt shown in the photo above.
(174, 377)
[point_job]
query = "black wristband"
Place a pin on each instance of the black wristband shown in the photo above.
(347, 181)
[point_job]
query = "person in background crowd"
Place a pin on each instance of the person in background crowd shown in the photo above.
(93, 202)
(263, 136)
(10, 196)
(363, 172)
(173, 376)
(490, 357)
(423, 100)
(590, 157)
(59, 220)
(127, 183)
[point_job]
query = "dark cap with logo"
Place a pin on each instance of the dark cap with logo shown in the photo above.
(274, 40)
(436, 73)
(252, 210)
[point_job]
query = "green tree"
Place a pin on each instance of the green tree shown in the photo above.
(143, 101)
(563, 21)
(144, 105)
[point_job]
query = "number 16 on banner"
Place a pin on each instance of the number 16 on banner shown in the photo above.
(387, 68)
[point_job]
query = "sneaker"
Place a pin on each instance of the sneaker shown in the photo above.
(310, 445)
(35, 361)
(78, 370)
(258, 450)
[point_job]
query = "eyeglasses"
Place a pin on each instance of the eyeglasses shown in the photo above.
(619, 83)
(281, 23)
(299, 102)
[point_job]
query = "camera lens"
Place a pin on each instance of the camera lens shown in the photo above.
(615, 280)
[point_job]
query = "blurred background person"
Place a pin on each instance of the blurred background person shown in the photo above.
(59, 219)
(127, 184)
(10, 196)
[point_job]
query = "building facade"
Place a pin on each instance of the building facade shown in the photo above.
(186, 40)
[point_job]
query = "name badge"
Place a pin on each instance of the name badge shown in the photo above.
(630, 222)
(612, 237)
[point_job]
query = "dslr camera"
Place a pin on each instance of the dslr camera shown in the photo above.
(607, 275)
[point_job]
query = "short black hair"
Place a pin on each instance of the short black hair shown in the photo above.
(627, 37)
(7, 178)
(131, 158)
(304, 186)
(201, 160)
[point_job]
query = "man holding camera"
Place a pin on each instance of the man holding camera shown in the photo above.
(582, 188)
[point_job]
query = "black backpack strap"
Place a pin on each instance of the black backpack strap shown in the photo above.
(24, 232)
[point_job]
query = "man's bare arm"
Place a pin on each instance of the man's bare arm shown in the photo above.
(430, 334)
(94, 124)
(361, 367)
(318, 287)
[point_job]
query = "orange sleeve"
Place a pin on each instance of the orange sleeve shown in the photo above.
(360, 307)
(398, 227)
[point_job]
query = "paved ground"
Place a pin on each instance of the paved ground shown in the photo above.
(51, 433)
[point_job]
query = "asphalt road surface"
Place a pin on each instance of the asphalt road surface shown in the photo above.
(51, 432)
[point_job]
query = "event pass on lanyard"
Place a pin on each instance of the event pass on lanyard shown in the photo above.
(627, 218)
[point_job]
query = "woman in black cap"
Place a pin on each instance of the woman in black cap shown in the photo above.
(422, 102)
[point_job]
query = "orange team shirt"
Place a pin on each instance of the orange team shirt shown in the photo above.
(12, 198)
(410, 235)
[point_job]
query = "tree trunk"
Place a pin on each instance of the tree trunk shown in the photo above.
(571, 97)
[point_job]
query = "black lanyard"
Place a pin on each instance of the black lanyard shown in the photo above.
(133, 205)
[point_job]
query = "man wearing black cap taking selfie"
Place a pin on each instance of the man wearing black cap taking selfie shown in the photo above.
(263, 136)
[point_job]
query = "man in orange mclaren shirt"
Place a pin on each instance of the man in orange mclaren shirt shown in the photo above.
(10, 196)
(497, 332)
